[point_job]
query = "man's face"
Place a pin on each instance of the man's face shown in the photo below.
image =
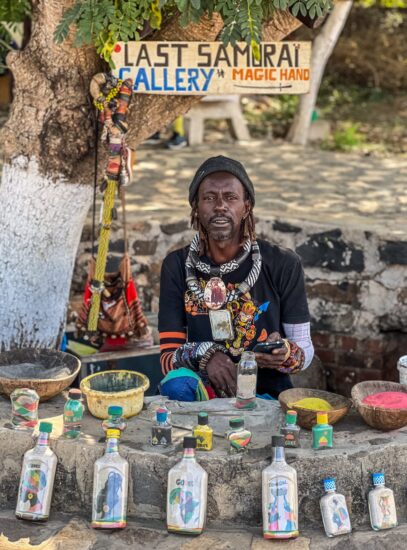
(222, 205)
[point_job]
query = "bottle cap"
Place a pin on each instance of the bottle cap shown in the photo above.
(74, 393)
(112, 433)
(236, 422)
(329, 484)
(115, 410)
(189, 442)
(277, 441)
(322, 418)
(45, 427)
(203, 419)
(291, 417)
(378, 479)
(161, 415)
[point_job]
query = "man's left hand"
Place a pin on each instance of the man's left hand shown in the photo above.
(274, 359)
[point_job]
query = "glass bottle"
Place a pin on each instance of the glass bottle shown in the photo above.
(187, 493)
(322, 433)
(203, 433)
(115, 420)
(24, 408)
(335, 515)
(279, 495)
(246, 381)
(73, 414)
(37, 478)
(291, 431)
(402, 368)
(161, 431)
(382, 508)
(110, 486)
(238, 437)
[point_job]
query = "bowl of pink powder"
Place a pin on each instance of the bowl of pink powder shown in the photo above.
(382, 405)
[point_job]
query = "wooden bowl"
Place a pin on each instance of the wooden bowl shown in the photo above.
(50, 360)
(377, 417)
(115, 387)
(306, 418)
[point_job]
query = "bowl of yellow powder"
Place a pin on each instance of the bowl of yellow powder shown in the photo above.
(307, 402)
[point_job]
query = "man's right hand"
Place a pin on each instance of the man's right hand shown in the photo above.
(222, 373)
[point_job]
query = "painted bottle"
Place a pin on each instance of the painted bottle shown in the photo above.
(115, 420)
(291, 431)
(73, 414)
(110, 486)
(335, 515)
(246, 381)
(238, 437)
(161, 431)
(279, 495)
(187, 493)
(203, 433)
(24, 408)
(37, 478)
(382, 508)
(322, 433)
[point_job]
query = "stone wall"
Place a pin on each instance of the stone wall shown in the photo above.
(356, 283)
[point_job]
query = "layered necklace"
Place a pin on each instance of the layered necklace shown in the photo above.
(215, 295)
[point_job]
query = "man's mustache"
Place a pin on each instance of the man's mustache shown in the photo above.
(220, 218)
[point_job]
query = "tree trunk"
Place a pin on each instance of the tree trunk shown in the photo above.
(48, 144)
(322, 49)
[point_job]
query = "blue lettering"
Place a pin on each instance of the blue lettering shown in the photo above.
(154, 87)
(166, 84)
(123, 70)
(193, 75)
(208, 76)
(141, 78)
(179, 79)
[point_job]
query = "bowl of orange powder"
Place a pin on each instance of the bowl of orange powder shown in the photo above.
(381, 404)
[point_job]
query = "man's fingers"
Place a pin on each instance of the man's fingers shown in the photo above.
(273, 336)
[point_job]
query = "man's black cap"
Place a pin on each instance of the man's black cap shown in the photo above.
(220, 164)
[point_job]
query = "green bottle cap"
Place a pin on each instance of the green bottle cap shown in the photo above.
(203, 419)
(236, 422)
(45, 427)
(115, 410)
(291, 417)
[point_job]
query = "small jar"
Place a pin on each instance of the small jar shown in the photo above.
(322, 433)
(161, 431)
(24, 408)
(402, 368)
(291, 431)
(115, 420)
(246, 381)
(238, 437)
(203, 433)
(73, 414)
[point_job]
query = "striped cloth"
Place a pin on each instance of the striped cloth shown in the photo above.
(170, 342)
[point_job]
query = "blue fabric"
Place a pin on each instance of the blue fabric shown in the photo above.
(182, 388)
(266, 396)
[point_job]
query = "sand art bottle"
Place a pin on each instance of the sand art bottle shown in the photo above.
(322, 433)
(115, 420)
(37, 478)
(161, 431)
(110, 486)
(187, 493)
(203, 433)
(279, 495)
(335, 515)
(24, 407)
(246, 381)
(382, 508)
(73, 414)
(238, 437)
(291, 431)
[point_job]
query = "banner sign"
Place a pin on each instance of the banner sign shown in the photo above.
(200, 68)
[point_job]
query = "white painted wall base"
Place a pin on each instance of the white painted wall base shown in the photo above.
(41, 222)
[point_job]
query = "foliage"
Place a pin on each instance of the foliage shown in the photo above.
(12, 12)
(346, 137)
(105, 22)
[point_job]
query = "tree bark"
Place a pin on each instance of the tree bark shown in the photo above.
(48, 144)
(322, 49)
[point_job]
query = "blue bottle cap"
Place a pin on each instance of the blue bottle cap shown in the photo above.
(161, 415)
(329, 484)
(378, 479)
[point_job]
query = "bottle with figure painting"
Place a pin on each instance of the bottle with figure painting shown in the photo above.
(279, 496)
(382, 508)
(187, 493)
(335, 515)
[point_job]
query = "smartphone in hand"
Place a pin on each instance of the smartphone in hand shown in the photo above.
(267, 347)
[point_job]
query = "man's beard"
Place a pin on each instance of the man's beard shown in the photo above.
(220, 233)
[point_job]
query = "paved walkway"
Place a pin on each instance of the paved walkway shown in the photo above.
(291, 183)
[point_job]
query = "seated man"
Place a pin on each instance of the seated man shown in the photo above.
(226, 292)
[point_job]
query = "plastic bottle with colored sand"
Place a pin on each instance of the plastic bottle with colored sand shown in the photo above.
(246, 381)
(238, 437)
(110, 486)
(335, 515)
(115, 420)
(322, 433)
(382, 508)
(279, 495)
(73, 414)
(24, 409)
(187, 493)
(161, 431)
(291, 431)
(37, 478)
(203, 433)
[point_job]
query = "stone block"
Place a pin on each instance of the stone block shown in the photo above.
(341, 293)
(173, 228)
(117, 245)
(285, 227)
(394, 252)
(145, 248)
(329, 251)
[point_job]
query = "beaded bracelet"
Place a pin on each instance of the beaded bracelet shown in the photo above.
(295, 361)
(207, 356)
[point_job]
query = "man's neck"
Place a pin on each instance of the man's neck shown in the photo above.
(221, 252)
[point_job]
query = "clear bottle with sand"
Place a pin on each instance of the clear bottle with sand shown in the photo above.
(246, 381)
(334, 511)
(382, 508)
